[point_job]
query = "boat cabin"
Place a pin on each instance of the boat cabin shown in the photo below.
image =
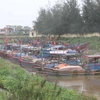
(93, 59)
(92, 63)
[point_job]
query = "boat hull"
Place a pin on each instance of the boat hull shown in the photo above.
(14, 59)
(51, 71)
(30, 66)
(63, 73)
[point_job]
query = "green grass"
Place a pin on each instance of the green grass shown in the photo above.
(17, 84)
(94, 42)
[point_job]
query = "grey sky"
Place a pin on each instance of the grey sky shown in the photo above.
(21, 12)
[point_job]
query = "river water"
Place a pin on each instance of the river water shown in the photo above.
(88, 85)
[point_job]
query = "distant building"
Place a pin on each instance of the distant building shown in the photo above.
(16, 29)
(32, 33)
(8, 30)
(2, 33)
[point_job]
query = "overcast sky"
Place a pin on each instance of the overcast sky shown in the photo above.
(21, 12)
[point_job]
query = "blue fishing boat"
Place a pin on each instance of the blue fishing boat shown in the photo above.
(92, 64)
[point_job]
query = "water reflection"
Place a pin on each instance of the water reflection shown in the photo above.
(83, 84)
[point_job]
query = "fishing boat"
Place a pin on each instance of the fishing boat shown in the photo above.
(30, 63)
(92, 64)
(14, 56)
(73, 59)
(63, 69)
(2, 50)
(6, 50)
(78, 47)
(58, 50)
(90, 67)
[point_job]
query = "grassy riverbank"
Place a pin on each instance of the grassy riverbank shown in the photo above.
(94, 41)
(17, 84)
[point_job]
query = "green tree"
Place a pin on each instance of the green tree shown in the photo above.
(60, 19)
(72, 20)
(57, 20)
(91, 16)
(40, 22)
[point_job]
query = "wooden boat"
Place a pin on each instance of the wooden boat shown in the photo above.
(59, 50)
(6, 51)
(14, 59)
(43, 54)
(92, 64)
(2, 51)
(92, 67)
(78, 47)
(73, 59)
(30, 64)
(13, 56)
(9, 55)
(64, 69)
(4, 54)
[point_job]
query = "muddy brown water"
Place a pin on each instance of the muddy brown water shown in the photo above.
(88, 85)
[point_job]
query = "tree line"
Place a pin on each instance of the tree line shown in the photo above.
(69, 17)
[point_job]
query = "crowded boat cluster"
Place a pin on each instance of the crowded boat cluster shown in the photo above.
(52, 58)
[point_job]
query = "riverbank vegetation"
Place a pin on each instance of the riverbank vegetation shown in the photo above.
(17, 84)
(94, 42)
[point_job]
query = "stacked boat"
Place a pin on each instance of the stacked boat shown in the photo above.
(55, 60)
